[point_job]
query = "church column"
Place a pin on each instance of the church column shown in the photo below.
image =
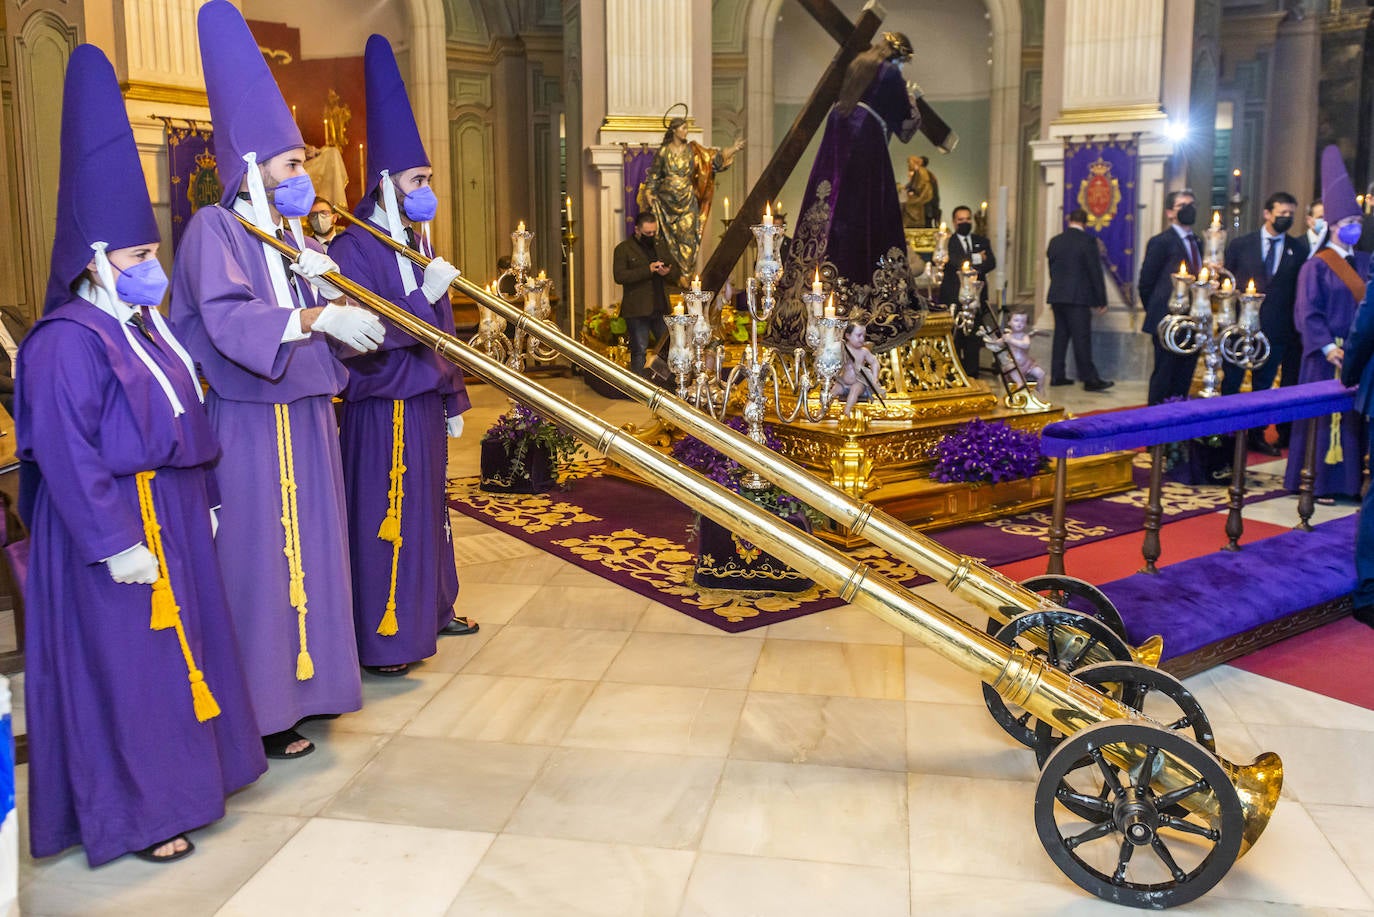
(1114, 69)
(1291, 125)
(638, 60)
(428, 91)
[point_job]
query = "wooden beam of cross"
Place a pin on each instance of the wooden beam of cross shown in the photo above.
(853, 39)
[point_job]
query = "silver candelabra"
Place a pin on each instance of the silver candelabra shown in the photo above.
(491, 338)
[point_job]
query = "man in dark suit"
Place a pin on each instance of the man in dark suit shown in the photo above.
(1172, 375)
(1357, 367)
(1271, 258)
(1077, 290)
(977, 251)
(643, 265)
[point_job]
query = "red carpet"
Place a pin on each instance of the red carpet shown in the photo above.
(1331, 660)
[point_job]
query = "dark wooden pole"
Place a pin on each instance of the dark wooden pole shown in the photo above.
(1154, 511)
(1307, 477)
(1235, 525)
(1059, 533)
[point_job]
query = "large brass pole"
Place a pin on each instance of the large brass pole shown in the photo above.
(1028, 681)
(962, 575)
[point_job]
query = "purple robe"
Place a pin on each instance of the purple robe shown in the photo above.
(429, 390)
(235, 338)
(850, 215)
(117, 759)
(1325, 310)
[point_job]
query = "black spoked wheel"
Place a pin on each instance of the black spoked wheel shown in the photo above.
(1065, 639)
(1134, 851)
(1075, 595)
(1156, 693)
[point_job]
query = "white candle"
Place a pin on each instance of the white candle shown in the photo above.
(829, 311)
(520, 227)
(696, 284)
(767, 215)
(677, 310)
(727, 208)
(543, 276)
(816, 284)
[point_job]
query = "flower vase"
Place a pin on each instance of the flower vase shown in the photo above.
(536, 477)
(726, 561)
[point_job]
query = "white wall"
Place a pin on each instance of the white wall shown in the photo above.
(335, 28)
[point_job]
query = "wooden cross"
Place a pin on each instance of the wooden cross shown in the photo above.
(853, 38)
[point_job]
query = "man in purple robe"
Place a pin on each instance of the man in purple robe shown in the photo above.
(139, 718)
(1331, 286)
(850, 216)
(265, 332)
(401, 400)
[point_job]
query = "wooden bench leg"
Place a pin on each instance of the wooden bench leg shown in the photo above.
(1307, 479)
(1235, 526)
(1058, 530)
(1154, 511)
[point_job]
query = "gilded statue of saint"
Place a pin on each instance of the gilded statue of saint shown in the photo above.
(679, 188)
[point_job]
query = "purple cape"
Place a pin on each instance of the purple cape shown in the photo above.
(117, 758)
(235, 337)
(429, 389)
(1324, 311)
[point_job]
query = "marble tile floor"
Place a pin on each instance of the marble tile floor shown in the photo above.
(591, 752)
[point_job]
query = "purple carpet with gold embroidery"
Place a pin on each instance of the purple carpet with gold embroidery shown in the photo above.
(641, 539)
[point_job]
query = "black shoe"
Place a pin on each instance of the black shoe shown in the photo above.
(1061, 382)
(1263, 446)
(1365, 615)
(1101, 385)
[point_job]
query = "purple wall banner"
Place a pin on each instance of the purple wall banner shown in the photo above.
(191, 166)
(1100, 177)
(638, 159)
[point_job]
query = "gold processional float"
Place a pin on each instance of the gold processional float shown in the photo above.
(1114, 779)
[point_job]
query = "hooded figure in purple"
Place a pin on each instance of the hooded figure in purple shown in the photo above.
(1331, 286)
(139, 717)
(402, 400)
(267, 334)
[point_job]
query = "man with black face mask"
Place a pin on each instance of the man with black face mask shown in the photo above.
(964, 245)
(1172, 375)
(644, 267)
(1271, 258)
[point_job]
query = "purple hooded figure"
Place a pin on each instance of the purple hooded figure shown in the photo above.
(1331, 286)
(139, 717)
(402, 400)
(266, 334)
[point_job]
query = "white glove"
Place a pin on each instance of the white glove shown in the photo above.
(310, 264)
(136, 565)
(214, 521)
(438, 275)
(455, 426)
(358, 328)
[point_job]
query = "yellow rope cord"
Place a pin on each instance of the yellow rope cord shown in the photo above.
(1334, 453)
(390, 529)
(165, 611)
(291, 526)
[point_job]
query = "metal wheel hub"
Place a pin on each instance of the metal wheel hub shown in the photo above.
(1135, 816)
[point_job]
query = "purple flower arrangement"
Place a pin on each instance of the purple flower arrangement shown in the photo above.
(520, 428)
(726, 471)
(980, 451)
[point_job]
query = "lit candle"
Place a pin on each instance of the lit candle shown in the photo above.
(816, 284)
(326, 132)
(944, 227)
(1250, 287)
(1216, 219)
(983, 206)
(520, 227)
(1183, 267)
(677, 310)
(830, 307)
(1203, 276)
(1227, 286)
(965, 267)
(362, 164)
(1235, 184)
(767, 215)
(569, 205)
(293, 113)
(543, 276)
(727, 208)
(696, 284)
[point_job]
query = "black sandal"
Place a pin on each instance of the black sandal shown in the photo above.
(459, 627)
(148, 854)
(389, 671)
(275, 745)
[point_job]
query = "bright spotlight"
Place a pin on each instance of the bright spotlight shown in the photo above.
(1176, 130)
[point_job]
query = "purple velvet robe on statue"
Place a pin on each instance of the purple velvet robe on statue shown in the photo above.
(1324, 311)
(431, 389)
(117, 759)
(235, 338)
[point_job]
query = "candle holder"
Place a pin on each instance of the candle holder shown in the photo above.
(691, 363)
(570, 240)
(1204, 320)
(534, 291)
(940, 258)
(970, 293)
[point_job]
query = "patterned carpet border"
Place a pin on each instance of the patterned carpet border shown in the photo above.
(645, 541)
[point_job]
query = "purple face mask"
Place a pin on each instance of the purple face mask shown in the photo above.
(1349, 234)
(421, 205)
(144, 284)
(295, 196)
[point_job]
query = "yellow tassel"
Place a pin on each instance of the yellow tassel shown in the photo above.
(1334, 453)
(165, 609)
(390, 528)
(206, 707)
(388, 626)
(305, 666)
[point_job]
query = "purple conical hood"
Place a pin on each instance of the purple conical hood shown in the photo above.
(246, 106)
(101, 193)
(393, 139)
(1338, 193)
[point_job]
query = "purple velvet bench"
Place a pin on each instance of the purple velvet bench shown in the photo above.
(1208, 609)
